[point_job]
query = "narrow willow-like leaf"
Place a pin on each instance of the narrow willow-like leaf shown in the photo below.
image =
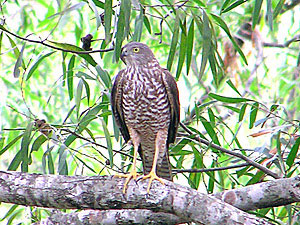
(189, 46)
(293, 153)
(138, 26)
(213, 66)
(127, 13)
(25, 146)
(211, 116)
(210, 130)
(107, 20)
(70, 76)
(64, 68)
(1, 36)
(146, 23)
(10, 144)
(87, 89)
(70, 47)
(104, 76)
(46, 156)
(85, 164)
(9, 212)
(38, 142)
(225, 4)
(255, 178)
(228, 99)
(36, 64)
(18, 64)
(108, 142)
(62, 162)
(278, 8)
(242, 112)
(206, 47)
(67, 10)
(233, 5)
(233, 87)
(256, 12)
(270, 14)
(78, 96)
(14, 46)
(14, 164)
(224, 26)
(211, 181)
(182, 51)
(97, 17)
(120, 31)
(173, 44)
(253, 114)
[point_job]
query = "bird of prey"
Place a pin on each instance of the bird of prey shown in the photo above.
(145, 105)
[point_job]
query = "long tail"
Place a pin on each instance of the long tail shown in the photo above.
(163, 170)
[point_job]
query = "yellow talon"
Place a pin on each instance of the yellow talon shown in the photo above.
(152, 176)
(132, 175)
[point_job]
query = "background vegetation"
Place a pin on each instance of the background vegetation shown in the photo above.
(237, 67)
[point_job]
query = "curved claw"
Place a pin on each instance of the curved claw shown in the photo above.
(132, 175)
(152, 176)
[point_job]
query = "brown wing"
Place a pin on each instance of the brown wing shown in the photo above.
(173, 96)
(116, 103)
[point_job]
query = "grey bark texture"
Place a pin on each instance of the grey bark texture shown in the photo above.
(183, 204)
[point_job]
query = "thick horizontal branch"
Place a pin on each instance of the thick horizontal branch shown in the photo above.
(105, 192)
(112, 217)
(263, 195)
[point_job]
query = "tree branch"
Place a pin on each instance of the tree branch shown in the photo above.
(112, 217)
(105, 192)
(236, 154)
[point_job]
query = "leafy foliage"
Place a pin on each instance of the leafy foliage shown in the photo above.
(235, 92)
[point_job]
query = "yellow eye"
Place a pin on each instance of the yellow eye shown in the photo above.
(136, 50)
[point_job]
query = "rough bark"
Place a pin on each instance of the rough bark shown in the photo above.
(105, 192)
(111, 217)
(262, 195)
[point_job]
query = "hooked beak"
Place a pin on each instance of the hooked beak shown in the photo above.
(124, 54)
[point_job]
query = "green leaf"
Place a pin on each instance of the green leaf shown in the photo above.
(9, 212)
(10, 144)
(138, 26)
(70, 47)
(62, 163)
(64, 67)
(211, 116)
(108, 141)
(173, 44)
(127, 13)
(24, 147)
(78, 96)
(278, 8)
(225, 4)
(233, 87)
(15, 48)
(87, 89)
(256, 12)
(189, 46)
(206, 46)
(120, 32)
(16, 161)
(233, 5)
(210, 130)
(104, 76)
(293, 153)
(223, 25)
(107, 19)
(70, 73)
(38, 142)
(182, 51)
(1, 36)
(146, 23)
(94, 8)
(228, 99)
(270, 14)
(18, 64)
(253, 114)
(36, 63)
(242, 112)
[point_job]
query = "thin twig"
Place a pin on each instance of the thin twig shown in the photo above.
(54, 47)
(209, 169)
(236, 154)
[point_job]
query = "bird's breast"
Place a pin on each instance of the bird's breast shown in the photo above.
(145, 103)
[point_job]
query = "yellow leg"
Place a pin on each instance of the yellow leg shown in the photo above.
(159, 143)
(133, 174)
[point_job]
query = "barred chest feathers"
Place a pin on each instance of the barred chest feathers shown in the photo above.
(145, 101)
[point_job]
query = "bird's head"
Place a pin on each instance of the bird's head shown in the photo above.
(135, 53)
